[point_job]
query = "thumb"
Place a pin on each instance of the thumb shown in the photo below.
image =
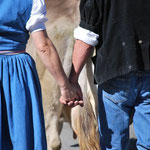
(62, 100)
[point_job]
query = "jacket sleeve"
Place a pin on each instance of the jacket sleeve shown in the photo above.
(91, 15)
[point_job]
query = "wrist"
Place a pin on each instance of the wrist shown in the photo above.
(64, 86)
(73, 79)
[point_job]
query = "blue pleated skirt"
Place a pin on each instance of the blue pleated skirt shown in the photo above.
(21, 113)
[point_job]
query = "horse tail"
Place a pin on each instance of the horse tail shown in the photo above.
(85, 120)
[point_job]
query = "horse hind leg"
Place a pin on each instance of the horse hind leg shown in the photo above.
(53, 128)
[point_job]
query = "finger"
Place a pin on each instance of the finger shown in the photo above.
(76, 102)
(81, 103)
(70, 103)
(62, 101)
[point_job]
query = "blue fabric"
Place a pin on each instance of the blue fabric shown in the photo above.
(117, 98)
(21, 114)
(14, 15)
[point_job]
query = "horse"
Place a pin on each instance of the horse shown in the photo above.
(63, 17)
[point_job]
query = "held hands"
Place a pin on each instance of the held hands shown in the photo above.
(71, 95)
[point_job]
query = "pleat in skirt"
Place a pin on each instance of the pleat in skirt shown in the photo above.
(21, 113)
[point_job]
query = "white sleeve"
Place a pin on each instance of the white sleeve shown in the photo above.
(86, 36)
(37, 18)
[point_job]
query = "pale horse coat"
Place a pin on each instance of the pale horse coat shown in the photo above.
(63, 17)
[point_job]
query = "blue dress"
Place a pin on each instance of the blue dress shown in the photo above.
(21, 113)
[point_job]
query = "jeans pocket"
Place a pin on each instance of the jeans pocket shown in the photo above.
(116, 89)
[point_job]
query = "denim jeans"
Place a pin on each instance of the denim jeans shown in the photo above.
(117, 98)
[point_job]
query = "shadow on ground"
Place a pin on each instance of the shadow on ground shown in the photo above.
(75, 145)
(131, 146)
(68, 143)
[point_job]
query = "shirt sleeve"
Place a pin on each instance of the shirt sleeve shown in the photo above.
(91, 15)
(91, 21)
(37, 18)
(86, 36)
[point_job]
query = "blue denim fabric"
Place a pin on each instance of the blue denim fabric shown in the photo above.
(117, 98)
(21, 114)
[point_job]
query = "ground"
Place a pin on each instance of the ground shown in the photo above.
(68, 143)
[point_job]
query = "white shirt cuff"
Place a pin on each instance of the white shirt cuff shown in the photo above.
(86, 36)
(37, 18)
(37, 27)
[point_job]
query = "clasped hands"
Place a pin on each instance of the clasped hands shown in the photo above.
(71, 95)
